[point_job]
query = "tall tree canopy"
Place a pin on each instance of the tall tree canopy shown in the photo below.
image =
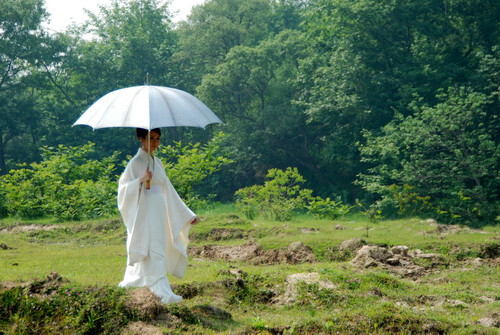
(363, 97)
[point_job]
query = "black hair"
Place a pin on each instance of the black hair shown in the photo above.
(142, 133)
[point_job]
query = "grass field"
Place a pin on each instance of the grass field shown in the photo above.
(451, 287)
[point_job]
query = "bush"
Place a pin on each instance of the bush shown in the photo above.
(188, 165)
(327, 208)
(442, 161)
(280, 195)
(65, 184)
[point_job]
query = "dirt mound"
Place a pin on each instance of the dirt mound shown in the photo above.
(352, 245)
(446, 229)
(492, 321)
(309, 230)
(217, 234)
(210, 316)
(145, 302)
(292, 286)
(396, 260)
(490, 250)
(251, 252)
(45, 286)
(141, 328)
(244, 252)
(19, 228)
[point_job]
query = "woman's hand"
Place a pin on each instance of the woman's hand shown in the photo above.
(147, 176)
(195, 221)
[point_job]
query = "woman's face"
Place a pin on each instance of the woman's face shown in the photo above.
(154, 141)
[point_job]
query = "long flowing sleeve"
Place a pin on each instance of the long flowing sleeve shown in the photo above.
(179, 217)
(132, 207)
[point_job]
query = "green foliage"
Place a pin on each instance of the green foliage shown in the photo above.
(187, 166)
(372, 212)
(25, 49)
(64, 309)
(327, 208)
(282, 195)
(277, 199)
(443, 161)
(65, 184)
(246, 289)
(296, 82)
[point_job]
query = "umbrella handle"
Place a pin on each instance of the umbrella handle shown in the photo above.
(148, 183)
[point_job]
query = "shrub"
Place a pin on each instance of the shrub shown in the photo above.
(66, 184)
(280, 195)
(327, 208)
(442, 161)
(188, 165)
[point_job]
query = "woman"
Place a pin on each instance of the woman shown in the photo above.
(157, 222)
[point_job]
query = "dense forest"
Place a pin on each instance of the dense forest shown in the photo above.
(393, 102)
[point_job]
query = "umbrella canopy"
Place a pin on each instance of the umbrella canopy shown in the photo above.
(147, 107)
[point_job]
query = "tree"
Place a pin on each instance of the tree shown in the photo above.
(23, 46)
(253, 93)
(370, 59)
(444, 155)
(125, 43)
(213, 29)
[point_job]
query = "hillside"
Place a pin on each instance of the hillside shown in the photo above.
(305, 276)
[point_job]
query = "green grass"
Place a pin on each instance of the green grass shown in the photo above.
(364, 301)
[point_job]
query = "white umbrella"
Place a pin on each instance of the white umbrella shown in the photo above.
(147, 107)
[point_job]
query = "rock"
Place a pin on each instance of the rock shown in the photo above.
(417, 253)
(393, 261)
(339, 227)
(352, 245)
(370, 255)
(309, 230)
(400, 250)
(4, 246)
(431, 222)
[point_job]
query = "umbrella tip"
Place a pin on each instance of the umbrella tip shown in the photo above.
(147, 78)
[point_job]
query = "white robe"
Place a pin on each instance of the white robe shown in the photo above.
(157, 222)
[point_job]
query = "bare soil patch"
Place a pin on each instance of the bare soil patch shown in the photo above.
(292, 283)
(251, 252)
(28, 228)
(145, 302)
(218, 234)
(47, 286)
(141, 328)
